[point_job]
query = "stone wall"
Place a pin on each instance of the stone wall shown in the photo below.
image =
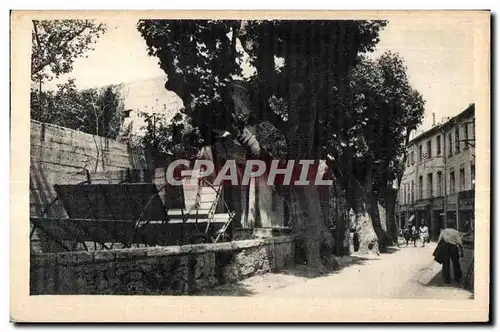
(175, 270)
(61, 155)
(64, 156)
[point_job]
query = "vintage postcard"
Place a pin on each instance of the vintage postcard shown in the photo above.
(250, 166)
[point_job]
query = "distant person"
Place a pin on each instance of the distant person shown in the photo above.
(407, 235)
(449, 248)
(356, 241)
(424, 234)
(399, 236)
(414, 235)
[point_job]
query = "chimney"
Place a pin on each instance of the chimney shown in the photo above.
(433, 119)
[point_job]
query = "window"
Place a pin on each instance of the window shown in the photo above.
(466, 135)
(429, 185)
(404, 194)
(420, 187)
(450, 145)
(412, 155)
(408, 194)
(438, 145)
(429, 149)
(407, 161)
(413, 191)
(457, 140)
(452, 182)
(473, 176)
(420, 154)
(462, 179)
(439, 184)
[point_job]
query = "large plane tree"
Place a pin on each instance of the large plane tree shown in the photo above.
(201, 58)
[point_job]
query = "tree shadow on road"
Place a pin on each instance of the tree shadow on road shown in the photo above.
(391, 250)
(306, 271)
(236, 289)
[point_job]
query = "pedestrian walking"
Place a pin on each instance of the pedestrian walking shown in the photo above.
(399, 236)
(449, 248)
(414, 235)
(407, 235)
(424, 234)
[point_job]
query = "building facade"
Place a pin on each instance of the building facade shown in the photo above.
(145, 98)
(149, 96)
(439, 179)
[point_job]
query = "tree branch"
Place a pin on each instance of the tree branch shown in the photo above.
(37, 36)
(55, 51)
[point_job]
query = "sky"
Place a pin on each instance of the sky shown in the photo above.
(120, 55)
(438, 55)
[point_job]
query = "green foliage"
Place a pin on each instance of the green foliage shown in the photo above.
(272, 140)
(56, 44)
(327, 98)
(361, 107)
(176, 137)
(200, 57)
(91, 111)
(378, 108)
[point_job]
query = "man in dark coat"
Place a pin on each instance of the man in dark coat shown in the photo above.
(449, 248)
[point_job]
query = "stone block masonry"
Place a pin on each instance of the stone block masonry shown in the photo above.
(60, 155)
(175, 270)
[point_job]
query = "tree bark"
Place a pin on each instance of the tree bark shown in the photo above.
(364, 228)
(357, 198)
(377, 225)
(309, 224)
(390, 196)
(311, 231)
(369, 243)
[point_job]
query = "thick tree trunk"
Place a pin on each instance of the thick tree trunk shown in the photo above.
(390, 209)
(337, 217)
(312, 234)
(357, 198)
(310, 228)
(364, 228)
(363, 209)
(377, 225)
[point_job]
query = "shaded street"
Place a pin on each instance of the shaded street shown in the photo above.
(391, 275)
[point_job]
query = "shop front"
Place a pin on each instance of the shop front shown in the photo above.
(437, 218)
(466, 210)
(422, 212)
(403, 214)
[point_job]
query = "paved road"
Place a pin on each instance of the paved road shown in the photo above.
(391, 275)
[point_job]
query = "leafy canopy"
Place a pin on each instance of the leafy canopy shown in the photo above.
(327, 93)
(379, 110)
(56, 44)
(97, 112)
(201, 56)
